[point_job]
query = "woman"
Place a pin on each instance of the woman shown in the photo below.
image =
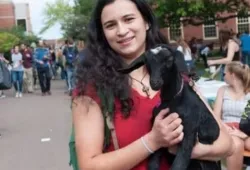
(230, 104)
(184, 48)
(230, 50)
(119, 32)
(60, 62)
(17, 71)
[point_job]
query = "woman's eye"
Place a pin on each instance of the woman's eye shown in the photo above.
(110, 26)
(129, 19)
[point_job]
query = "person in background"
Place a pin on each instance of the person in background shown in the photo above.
(230, 50)
(17, 71)
(28, 70)
(186, 51)
(245, 47)
(60, 62)
(70, 52)
(119, 32)
(205, 51)
(229, 106)
(52, 56)
(80, 46)
(43, 70)
(2, 59)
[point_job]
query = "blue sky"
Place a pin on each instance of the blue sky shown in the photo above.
(36, 14)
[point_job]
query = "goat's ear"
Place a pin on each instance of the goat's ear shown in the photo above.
(133, 66)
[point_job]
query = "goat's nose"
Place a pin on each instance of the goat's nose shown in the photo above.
(156, 84)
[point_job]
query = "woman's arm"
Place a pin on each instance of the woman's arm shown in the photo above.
(224, 145)
(232, 48)
(6, 61)
(89, 136)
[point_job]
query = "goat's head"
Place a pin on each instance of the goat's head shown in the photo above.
(159, 62)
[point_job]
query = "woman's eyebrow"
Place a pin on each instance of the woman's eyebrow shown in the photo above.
(111, 21)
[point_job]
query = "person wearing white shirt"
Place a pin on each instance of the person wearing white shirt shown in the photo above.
(17, 71)
(184, 48)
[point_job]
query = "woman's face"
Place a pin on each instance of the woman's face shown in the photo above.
(124, 28)
(16, 49)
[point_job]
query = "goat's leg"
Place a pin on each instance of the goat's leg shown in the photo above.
(208, 130)
(155, 160)
(183, 154)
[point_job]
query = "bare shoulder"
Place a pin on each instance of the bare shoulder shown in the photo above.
(83, 105)
(221, 90)
(233, 43)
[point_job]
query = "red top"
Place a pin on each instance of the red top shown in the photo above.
(136, 125)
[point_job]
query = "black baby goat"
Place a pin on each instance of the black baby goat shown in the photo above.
(164, 65)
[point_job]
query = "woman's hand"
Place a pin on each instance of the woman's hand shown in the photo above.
(166, 131)
(236, 132)
(210, 62)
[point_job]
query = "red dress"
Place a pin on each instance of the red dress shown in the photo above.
(138, 124)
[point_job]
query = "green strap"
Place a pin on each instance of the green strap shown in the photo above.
(107, 104)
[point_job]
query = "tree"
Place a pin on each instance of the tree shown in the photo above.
(73, 19)
(197, 12)
(23, 36)
(76, 26)
(7, 41)
(58, 12)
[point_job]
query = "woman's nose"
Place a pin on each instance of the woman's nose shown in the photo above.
(122, 29)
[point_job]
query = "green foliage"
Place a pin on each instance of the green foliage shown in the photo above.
(76, 27)
(196, 12)
(7, 41)
(24, 37)
(58, 12)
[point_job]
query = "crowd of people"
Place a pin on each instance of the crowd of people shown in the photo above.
(32, 66)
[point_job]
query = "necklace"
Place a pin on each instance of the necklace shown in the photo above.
(145, 89)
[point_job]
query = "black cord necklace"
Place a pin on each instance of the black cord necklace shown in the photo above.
(145, 89)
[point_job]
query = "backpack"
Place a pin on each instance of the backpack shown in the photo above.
(107, 107)
(5, 77)
(70, 56)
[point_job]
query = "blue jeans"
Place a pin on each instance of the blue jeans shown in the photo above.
(17, 79)
(70, 78)
(246, 57)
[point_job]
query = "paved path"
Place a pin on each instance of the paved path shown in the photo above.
(24, 122)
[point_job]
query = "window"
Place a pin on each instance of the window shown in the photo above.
(175, 31)
(210, 29)
(243, 24)
(22, 23)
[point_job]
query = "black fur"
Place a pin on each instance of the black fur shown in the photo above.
(164, 66)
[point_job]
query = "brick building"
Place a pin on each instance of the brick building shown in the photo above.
(208, 31)
(14, 14)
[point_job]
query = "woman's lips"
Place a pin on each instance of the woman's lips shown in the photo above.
(125, 41)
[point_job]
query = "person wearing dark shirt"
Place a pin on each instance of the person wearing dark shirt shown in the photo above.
(28, 70)
(53, 62)
(70, 52)
(43, 70)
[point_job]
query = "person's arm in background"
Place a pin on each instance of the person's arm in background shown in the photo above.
(5, 60)
(232, 48)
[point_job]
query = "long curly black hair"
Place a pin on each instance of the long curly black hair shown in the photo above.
(101, 62)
